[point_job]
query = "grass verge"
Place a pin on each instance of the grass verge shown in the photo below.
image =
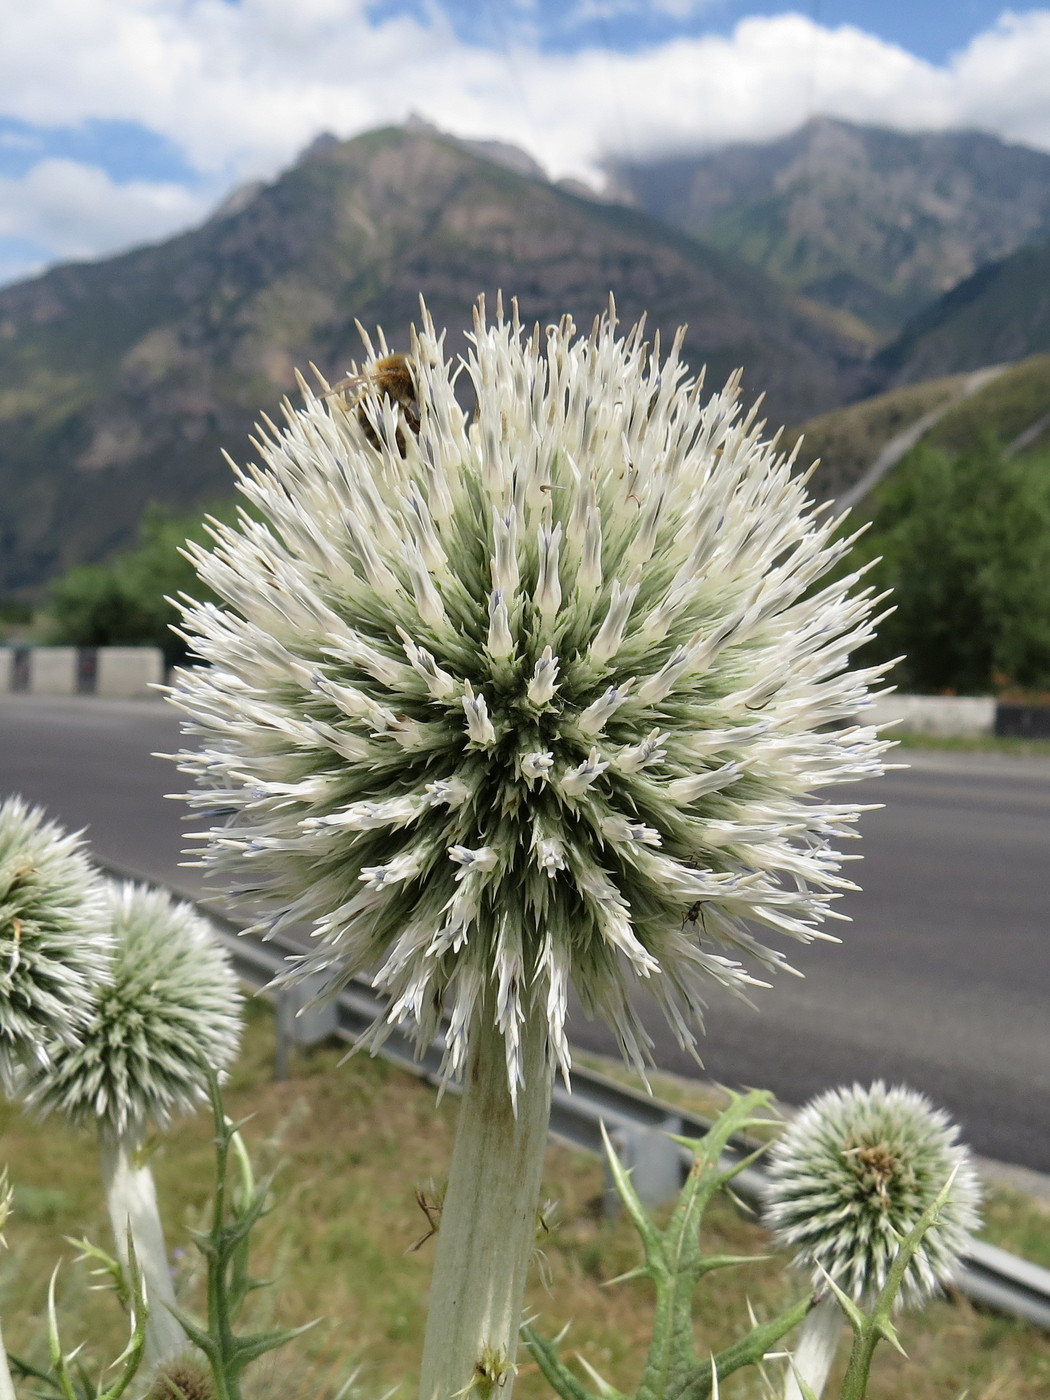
(356, 1142)
(974, 743)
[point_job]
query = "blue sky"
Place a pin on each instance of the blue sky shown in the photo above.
(123, 121)
(931, 29)
(125, 149)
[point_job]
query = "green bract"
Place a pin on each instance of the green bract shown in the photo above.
(173, 1001)
(531, 696)
(851, 1176)
(54, 950)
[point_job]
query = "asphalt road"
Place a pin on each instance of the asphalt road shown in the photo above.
(942, 980)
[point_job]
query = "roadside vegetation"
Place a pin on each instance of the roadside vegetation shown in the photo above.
(963, 541)
(974, 743)
(346, 1243)
(123, 602)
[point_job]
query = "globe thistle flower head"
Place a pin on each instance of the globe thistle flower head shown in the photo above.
(173, 1002)
(532, 697)
(54, 948)
(182, 1379)
(851, 1176)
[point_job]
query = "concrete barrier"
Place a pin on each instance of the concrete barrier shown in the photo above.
(124, 673)
(128, 672)
(957, 715)
(53, 671)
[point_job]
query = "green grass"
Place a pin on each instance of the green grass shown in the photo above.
(974, 743)
(357, 1141)
(1019, 1223)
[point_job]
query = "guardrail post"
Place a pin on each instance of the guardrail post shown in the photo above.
(1020, 721)
(653, 1159)
(87, 670)
(298, 1023)
(20, 669)
(283, 1013)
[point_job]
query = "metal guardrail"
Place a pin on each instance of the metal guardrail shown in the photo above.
(638, 1125)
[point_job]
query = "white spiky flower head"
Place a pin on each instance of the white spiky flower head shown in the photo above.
(173, 1001)
(532, 697)
(54, 947)
(850, 1177)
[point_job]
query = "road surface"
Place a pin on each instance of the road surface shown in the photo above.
(942, 980)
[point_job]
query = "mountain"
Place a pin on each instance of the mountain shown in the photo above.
(871, 221)
(1000, 313)
(121, 379)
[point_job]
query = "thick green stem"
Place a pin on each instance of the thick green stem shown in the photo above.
(488, 1221)
(132, 1202)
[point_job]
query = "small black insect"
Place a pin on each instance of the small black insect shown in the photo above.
(694, 915)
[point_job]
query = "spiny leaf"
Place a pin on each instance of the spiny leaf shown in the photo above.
(887, 1330)
(734, 1119)
(805, 1389)
(742, 1165)
(197, 1335)
(108, 1267)
(857, 1319)
(248, 1349)
(554, 1369)
(640, 1271)
(710, 1262)
(605, 1390)
(622, 1181)
(747, 1351)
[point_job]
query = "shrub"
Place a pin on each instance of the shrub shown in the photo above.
(964, 542)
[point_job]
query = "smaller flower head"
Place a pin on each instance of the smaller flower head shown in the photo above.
(852, 1175)
(54, 950)
(182, 1379)
(173, 1002)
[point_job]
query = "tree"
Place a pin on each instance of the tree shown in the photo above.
(122, 602)
(964, 542)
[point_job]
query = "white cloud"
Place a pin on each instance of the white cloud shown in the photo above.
(75, 209)
(1000, 82)
(761, 82)
(240, 88)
